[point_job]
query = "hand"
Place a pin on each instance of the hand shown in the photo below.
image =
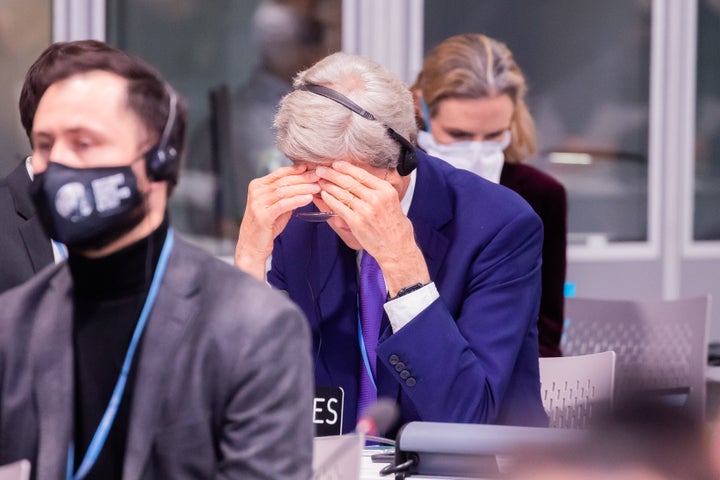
(270, 203)
(370, 206)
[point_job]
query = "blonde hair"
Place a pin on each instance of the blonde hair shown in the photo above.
(315, 129)
(472, 65)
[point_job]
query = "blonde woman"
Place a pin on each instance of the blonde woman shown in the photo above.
(470, 104)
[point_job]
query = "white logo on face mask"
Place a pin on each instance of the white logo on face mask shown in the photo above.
(73, 202)
(483, 158)
(110, 191)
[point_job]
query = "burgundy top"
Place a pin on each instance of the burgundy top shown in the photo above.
(547, 197)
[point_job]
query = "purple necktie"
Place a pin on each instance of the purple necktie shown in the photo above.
(372, 298)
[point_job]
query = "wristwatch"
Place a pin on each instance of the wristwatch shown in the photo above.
(405, 290)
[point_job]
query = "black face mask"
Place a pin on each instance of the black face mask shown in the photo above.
(87, 208)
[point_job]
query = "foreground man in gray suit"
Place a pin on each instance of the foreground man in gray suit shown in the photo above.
(141, 356)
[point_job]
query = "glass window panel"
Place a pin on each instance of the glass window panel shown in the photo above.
(25, 31)
(706, 224)
(587, 64)
(233, 60)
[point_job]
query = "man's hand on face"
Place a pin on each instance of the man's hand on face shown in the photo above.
(371, 208)
(271, 201)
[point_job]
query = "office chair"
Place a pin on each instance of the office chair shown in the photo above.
(661, 346)
(19, 470)
(573, 387)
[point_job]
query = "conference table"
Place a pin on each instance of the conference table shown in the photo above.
(370, 470)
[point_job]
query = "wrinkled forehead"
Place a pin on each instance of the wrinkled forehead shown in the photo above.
(326, 162)
(312, 164)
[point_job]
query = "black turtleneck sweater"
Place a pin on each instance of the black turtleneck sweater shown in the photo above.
(109, 294)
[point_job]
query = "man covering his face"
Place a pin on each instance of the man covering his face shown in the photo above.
(421, 282)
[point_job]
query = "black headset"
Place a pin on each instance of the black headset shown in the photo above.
(408, 158)
(161, 161)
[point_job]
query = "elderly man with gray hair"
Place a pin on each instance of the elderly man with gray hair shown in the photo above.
(421, 282)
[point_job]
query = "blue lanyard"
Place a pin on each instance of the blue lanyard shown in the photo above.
(101, 433)
(363, 352)
(60, 248)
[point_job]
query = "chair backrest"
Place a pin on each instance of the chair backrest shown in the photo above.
(19, 470)
(572, 387)
(661, 346)
(337, 456)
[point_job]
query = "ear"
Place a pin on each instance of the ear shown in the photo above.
(37, 164)
(157, 195)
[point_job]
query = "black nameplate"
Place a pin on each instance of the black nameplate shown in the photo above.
(328, 410)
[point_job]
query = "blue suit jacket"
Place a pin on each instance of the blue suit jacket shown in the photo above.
(472, 354)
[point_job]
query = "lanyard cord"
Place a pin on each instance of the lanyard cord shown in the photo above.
(60, 248)
(101, 433)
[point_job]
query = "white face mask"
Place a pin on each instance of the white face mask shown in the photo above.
(483, 158)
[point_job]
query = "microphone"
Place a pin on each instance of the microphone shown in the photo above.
(339, 456)
(377, 418)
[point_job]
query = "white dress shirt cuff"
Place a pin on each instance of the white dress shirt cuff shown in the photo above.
(401, 310)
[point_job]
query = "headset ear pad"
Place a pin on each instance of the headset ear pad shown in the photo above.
(408, 161)
(162, 164)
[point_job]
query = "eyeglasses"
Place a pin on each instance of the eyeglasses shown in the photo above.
(318, 217)
(315, 217)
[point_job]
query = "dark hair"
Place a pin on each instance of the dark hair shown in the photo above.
(36, 80)
(148, 94)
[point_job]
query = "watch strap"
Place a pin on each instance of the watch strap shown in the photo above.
(409, 289)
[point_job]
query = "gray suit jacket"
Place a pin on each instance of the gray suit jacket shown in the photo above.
(24, 246)
(223, 388)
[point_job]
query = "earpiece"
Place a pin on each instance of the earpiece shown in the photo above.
(161, 161)
(408, 158)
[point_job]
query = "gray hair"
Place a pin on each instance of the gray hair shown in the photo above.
(316, 129)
